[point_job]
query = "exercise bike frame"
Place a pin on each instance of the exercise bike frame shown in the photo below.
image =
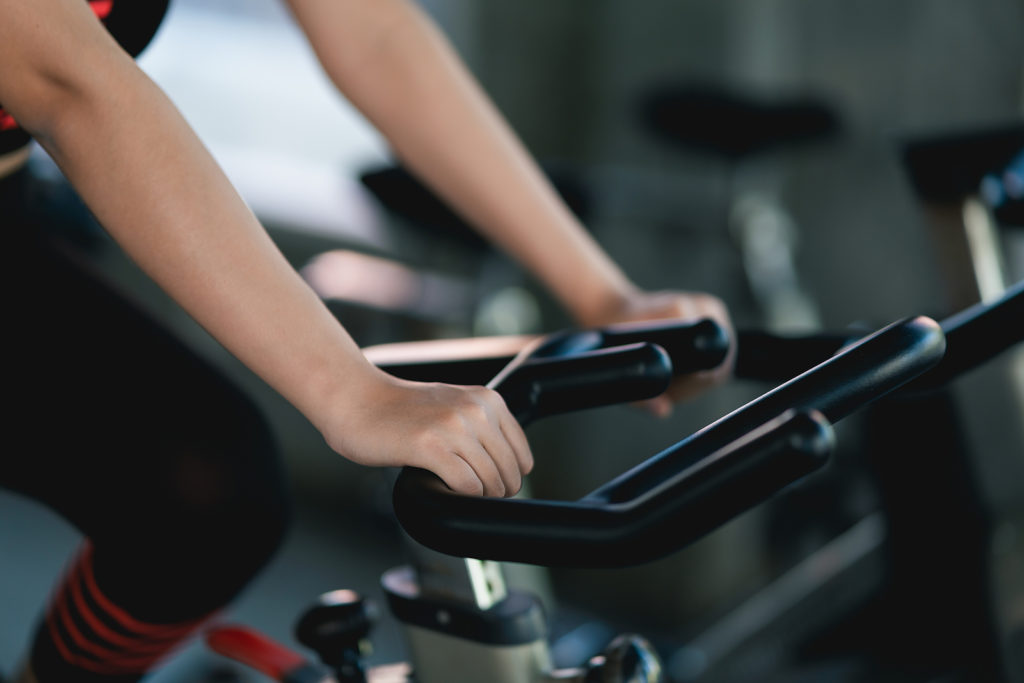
(729, 466)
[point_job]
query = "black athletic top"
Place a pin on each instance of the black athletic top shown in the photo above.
(133, 23)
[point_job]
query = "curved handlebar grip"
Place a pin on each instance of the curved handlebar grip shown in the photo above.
(691, 346)
(577, 533)
(592, 534)
(538, 387)
(853, 378)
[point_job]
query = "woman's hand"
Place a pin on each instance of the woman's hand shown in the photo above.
(464, 435)
(642, 305)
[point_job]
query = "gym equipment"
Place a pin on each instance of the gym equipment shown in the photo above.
(745, 134)
(496, 634)
(465, 625)
(970, 184)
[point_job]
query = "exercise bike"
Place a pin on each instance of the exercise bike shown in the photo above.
(464, 625)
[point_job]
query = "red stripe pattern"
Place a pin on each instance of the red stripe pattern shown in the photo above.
(92, 633)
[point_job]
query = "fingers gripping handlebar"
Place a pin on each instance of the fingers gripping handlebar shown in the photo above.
(575, 370)
(687, 490)
(535, 386)
(592, 533)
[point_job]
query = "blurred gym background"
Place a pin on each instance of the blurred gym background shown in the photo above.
(762, 150)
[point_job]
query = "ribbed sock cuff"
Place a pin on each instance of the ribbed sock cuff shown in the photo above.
(85, 637)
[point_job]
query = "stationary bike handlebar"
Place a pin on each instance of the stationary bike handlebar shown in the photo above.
(976, 335)
(690, 347)
(680, 494)
(973, 336)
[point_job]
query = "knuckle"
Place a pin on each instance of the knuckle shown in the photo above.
(469, 484)
(497, 486)
(459, 476)
(490, 477)
(477, 411)
(494, 401)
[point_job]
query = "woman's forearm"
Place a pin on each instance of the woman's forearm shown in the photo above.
(402, 74)
(155, 188)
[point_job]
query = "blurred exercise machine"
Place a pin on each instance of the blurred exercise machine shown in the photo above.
(464, 625)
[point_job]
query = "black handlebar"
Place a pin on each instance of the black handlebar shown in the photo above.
(677, 496)
(689, 489)
(976, 335)
(690, 346)
(837, 387)
(973, 336)
(602, 534)
(536, 386)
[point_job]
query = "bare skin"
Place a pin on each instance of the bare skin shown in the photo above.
(445, 128)
(174, 212)
(157, 191)
(687, 306)
(107, 125)
(657, 305)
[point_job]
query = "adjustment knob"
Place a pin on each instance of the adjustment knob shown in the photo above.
(627, 659)
(336, 627)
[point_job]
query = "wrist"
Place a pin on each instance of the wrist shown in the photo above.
(601, 306)
(333, 400)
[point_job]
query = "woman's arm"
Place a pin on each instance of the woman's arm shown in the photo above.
(387, 57)
(154, 187)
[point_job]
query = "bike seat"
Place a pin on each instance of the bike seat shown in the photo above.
(716, 121)
(403, 194)
(950, 167)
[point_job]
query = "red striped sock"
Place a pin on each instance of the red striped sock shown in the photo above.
(92, 634)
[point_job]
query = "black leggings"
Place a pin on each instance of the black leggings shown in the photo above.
(166, 468)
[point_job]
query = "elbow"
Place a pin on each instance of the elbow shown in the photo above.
(51, 102)
(56, 61)
(54, 104)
